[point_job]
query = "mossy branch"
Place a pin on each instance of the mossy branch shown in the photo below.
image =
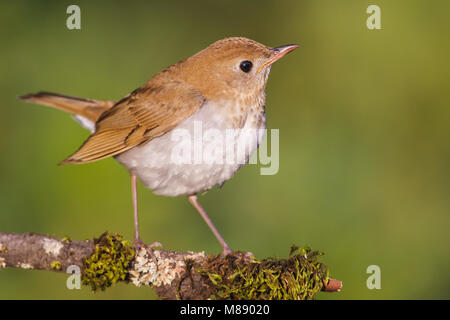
(176, 275)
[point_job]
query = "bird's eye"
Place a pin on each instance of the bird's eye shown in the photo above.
(246, 66)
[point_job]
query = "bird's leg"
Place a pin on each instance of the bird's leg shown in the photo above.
(137, 240)
(193, 200)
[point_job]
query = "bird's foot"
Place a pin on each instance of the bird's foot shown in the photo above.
(138, 244)
(226, 251)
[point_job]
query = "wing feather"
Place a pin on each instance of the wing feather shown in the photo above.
(145, 114)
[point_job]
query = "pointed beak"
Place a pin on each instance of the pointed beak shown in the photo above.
(279, 52)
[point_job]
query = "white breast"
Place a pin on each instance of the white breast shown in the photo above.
(164, 165)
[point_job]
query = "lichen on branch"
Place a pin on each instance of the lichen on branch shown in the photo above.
(173, 275)
(109, 263)
(301, 276)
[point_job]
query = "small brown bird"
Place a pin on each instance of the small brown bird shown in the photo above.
(221, 88)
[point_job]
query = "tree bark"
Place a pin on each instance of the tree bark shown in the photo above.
(172, 277)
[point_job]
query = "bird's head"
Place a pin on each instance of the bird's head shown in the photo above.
(232, 67)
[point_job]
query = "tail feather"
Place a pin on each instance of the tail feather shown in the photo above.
(90, 109)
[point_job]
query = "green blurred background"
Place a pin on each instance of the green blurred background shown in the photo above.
(364, 119)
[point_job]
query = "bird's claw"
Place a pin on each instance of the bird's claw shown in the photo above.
(138, 244)
(226, 251)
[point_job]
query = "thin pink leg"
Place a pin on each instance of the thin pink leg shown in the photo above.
(137, 240)
(193, 200)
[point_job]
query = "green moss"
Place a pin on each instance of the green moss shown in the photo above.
(301, 276)
(55, 265)
(66, 239)
(109, 263)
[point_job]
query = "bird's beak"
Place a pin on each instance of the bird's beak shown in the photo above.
(279, 52)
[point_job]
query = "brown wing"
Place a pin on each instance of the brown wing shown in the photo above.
(143, 115)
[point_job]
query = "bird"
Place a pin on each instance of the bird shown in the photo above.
(220, 88)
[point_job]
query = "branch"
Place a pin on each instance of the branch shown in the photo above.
(177, 275)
